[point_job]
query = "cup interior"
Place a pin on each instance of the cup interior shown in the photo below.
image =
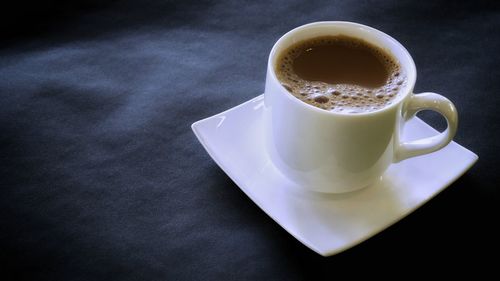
(366, 33)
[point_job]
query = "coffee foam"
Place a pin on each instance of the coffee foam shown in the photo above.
(341, 98)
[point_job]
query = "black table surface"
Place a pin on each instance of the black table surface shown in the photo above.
(101, 177)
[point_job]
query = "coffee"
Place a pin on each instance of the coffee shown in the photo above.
(340, 74)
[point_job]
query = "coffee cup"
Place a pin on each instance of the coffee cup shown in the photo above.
(337, 152)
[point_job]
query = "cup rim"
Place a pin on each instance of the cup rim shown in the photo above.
(410, 68)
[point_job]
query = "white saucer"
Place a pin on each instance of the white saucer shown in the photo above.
(326, 223)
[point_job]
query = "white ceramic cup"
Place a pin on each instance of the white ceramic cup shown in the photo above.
(340, 152)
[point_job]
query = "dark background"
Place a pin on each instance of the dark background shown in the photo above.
(101, 177)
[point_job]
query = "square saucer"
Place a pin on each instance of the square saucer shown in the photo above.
(326, 223)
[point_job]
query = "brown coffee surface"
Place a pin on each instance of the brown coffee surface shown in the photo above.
(340, 74)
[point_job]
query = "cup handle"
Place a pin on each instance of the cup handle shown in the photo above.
(427, 101)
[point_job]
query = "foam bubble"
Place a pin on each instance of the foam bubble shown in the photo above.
(321, 99)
